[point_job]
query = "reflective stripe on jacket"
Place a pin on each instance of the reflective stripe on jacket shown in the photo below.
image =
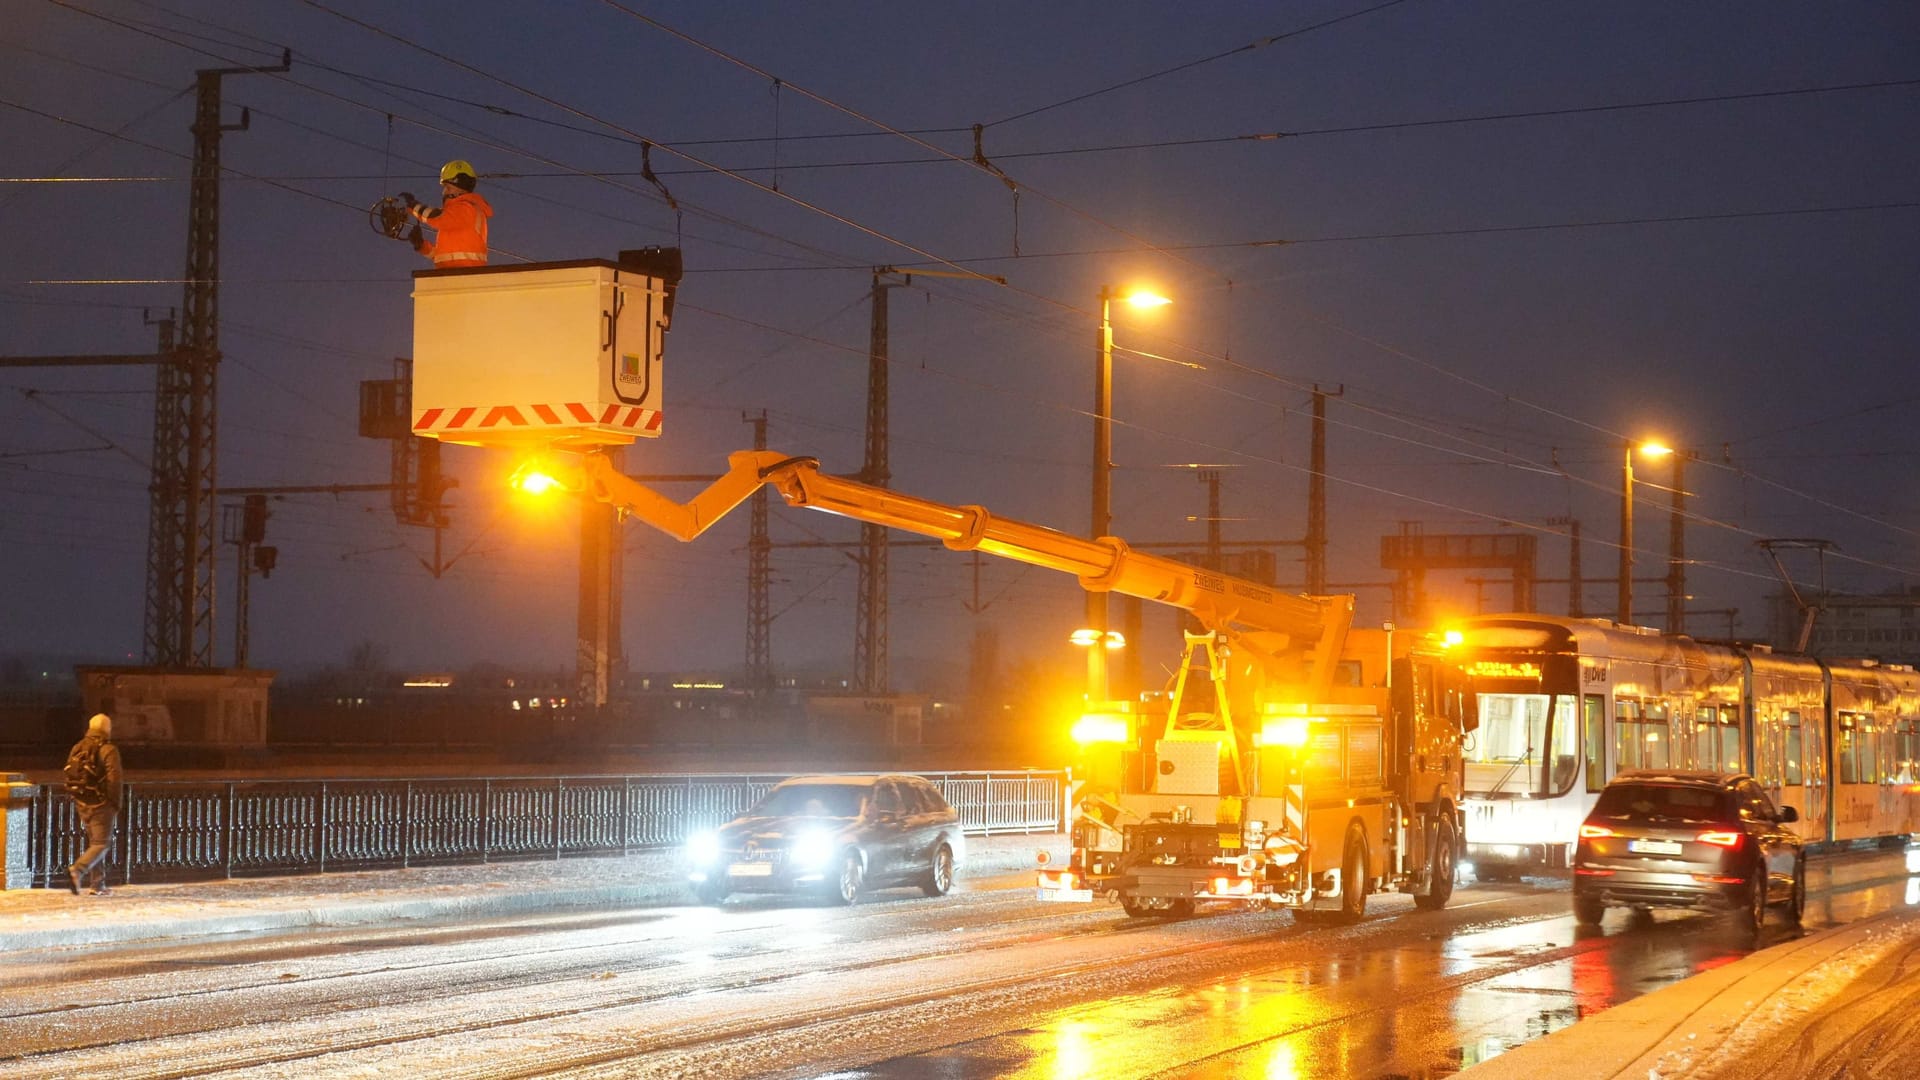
(460, 231)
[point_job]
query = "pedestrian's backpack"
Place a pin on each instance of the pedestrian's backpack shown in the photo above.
(86, 775)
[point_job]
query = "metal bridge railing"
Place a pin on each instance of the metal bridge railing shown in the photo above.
(195, 830)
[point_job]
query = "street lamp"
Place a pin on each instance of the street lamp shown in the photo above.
(1103, 465)
(1651, 449)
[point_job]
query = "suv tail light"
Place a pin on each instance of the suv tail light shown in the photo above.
(1589, 832)
(1721, 839)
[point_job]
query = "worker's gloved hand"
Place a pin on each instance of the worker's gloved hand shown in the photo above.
(407, 200)
(418, 241)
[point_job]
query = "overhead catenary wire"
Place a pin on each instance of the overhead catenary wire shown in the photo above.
(506, 148)
(1191, 64)
(471, 69)
(662, 26)
(1825, 503)
(975, 161)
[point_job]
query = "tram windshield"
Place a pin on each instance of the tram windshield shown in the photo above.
(1527, 744)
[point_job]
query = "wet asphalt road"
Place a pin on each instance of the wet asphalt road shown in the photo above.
(983, 983)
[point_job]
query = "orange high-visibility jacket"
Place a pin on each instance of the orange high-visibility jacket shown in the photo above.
(460, 231)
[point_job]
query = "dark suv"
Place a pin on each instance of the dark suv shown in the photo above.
(838, 836)
(1688, 839)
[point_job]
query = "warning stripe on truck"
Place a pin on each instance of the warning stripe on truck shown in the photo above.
(568, 414)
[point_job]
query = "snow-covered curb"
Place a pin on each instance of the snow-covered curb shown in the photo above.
(48, 918)
(1705, 1023)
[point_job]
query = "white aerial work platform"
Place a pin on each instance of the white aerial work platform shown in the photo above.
(541, 355)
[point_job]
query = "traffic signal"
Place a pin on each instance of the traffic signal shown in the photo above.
(264, 560)
(253, 520)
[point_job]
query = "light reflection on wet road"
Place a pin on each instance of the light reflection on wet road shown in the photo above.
(986, 982)
(1410, 999)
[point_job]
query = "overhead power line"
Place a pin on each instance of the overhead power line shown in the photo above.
(1191, 64)
(1457, 232)
(978, 160)
(537, 96)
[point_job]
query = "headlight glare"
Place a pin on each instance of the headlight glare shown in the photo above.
(812, 848)
(703, 848)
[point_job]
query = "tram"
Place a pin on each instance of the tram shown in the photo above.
(1564, 704)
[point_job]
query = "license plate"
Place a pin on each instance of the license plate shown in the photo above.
(1066, 896)
(751, 869)
(1654, 847)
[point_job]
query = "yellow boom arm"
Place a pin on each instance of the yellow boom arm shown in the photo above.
(1283, 621)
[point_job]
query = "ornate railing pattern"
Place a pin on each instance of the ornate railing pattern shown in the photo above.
(194, 830)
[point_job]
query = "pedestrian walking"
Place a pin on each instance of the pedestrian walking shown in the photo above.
(93, 780)
(459, 224)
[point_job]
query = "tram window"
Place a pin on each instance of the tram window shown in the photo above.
(1766, 749)
(1626, 734)
(1594, 720)
(1563, 759)
(1792, 720)
(1726, 743)
(1507, 751)
(1513, 727)
(1706, 733)
(1852, 740)
(1657, 737)
(1867, 752)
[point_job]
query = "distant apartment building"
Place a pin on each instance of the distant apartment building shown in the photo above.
(1883, 626)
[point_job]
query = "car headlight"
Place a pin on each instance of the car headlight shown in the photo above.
(703, 848)
(812, 848)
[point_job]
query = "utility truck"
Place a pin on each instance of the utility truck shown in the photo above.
(1297, 762)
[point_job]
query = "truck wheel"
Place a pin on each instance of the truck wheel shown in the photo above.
(1353, 878)
(1440, 870)
(711, 892)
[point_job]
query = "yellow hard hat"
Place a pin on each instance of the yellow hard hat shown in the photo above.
(457, 168)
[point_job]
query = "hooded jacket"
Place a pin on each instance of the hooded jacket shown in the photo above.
(109, 758)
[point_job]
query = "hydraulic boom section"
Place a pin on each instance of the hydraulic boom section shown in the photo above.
(1311, 627)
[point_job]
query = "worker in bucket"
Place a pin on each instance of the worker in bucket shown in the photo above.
(459, 225)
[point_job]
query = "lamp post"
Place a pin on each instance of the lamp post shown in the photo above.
(1103, 468)
(1624, 616)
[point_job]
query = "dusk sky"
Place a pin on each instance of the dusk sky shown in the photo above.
(1513, 235)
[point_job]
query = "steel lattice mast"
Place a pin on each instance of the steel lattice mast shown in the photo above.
(182, 533)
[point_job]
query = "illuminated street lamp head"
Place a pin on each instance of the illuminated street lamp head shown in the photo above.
(1140, 298)
(1654, 449)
